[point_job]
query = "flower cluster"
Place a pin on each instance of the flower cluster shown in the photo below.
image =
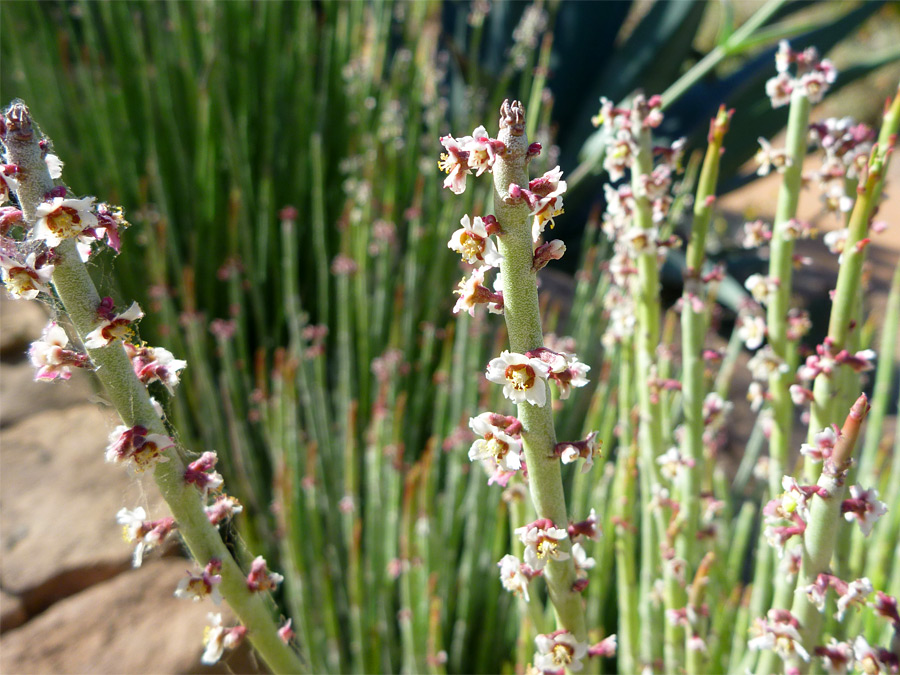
(45, 239)
(649, 193)
(476, 152)
(790, 506)
(846, 145)
(813, 76)
(502, 441)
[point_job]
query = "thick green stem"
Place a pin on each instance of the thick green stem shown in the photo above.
(129, 396)
(822, 527)
(523, 323)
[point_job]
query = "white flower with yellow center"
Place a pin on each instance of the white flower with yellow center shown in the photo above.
(541, 541)
(523, 378)
(557, 651)
(62, 218)
(495, 444)
(472, 242)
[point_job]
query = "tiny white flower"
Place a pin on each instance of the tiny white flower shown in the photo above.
(512, 578)
(495, 444)
(542, 544)
(557, 652)
(523, 378)
(472, 242)
(752, 330)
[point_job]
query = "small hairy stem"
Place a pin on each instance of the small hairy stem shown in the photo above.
(79, 296)
(523, 323)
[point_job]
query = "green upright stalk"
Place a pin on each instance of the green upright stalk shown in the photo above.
(129, 396)
(523, 324)
(625, 497)
(821, 530)
(781, 268)
(693, 330)
(647, 340)
(846, 295)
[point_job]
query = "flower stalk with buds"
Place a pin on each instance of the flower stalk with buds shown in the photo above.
(55, 223)
(523, 322)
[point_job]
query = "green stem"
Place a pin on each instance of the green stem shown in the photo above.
(693, 327)
(821, 529)
(781, 268)
(129, 396)
(732, 46)
(647, 339)
(523, 324)
(625, 495)
(846, 295)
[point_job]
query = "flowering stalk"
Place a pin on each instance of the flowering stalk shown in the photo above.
(821, 529)
(647, 339)
(625, 498)
(523, 323)
(781, 266)
(846, 295)
(129, 396)
(693, 328)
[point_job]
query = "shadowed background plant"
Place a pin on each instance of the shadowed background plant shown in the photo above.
(316, 336)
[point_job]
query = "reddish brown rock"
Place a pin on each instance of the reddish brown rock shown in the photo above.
(21, 321)
(58, 502)
(130, 624)
(21, 396)
(12, 612)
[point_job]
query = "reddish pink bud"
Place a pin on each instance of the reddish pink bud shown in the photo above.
(580, 585)
(491, 225)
